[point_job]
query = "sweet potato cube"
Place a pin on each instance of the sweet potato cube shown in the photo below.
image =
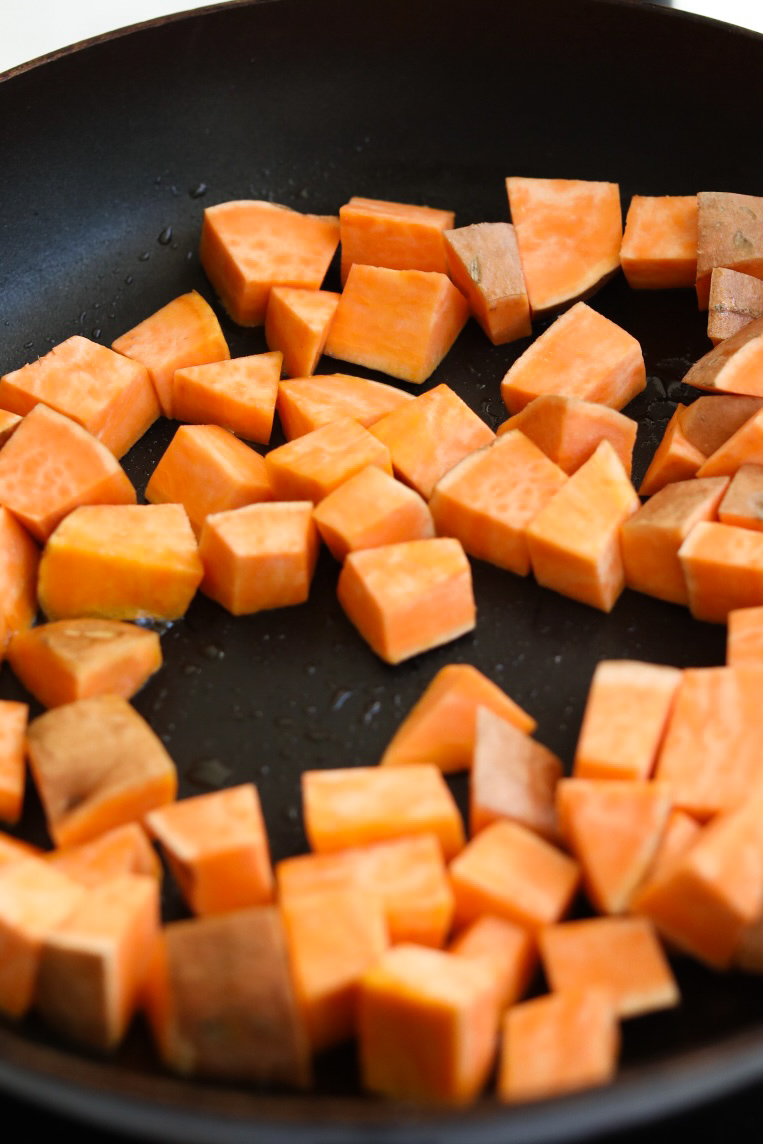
(623, 955)
(557, 1044)
(745, 447)
(260, 556)
(730, 234)
(217, 849)
(483, 261)
(613, 827)
(710, 756)
(313, 465)
(742, 502)
(12, 849)
(710, 420)
(568, 429)
(488, 499)
(569, 233)
(248, 246)
(306, 403)
(123, 850)
(221, 1002)
(582, 354)
(681, 831)
(120, 562)
(402, 322)
(182, 333)
(744, 640)
(734, 365)
(427, 1026)
(34, 899)
(9, 423)
(735, 299)
(369, 510)
(651, 538)
(675, 458)
(441, 727)
(206, 469)
(328, 960)
(239, 394)
(509, 950)
(51, 465)
(430, 435)
(400, 236)
(624, 721)
(574, 541)
(19, 561)
(512, 777)
(76, 659)
(297, 323)
(723, 566)
(659, 249)
(410, 597)
(13, 722)
(408, 874)
(97, 764)
(510, 871)
(107, 394)
(355, 806)
(92, 966)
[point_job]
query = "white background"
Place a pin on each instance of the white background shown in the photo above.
(32, 28)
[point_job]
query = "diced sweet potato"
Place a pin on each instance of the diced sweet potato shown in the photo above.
(735, 299)
(19, 560)
(123, 850)
(297, 323)
(509, 950)
(709, 421)
(400, 236)
(742, 502)
(723, 566)
(568, 430)
(734, 365)
(483, 261)
(306, 403)
(675, 458)
(369, 510)
(13, 723)
(9, 423)
(744, 640)
(730, 234)
(745, 447)
(659, 249)
(238, 393)
(313, 465)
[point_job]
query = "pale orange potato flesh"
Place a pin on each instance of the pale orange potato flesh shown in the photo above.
(709, 421)
(11, 849)
(744, 640)
(735, 299)
(569, 233)
(402, 322)
(400, 236)
(206, 469)
(509, 950)
(123, 850)
(297, 323)
(121, 562)
(182, 333)
(371, 509)
(675, 458)
(568, 429)
(730, 234)
(582, 354)
(107, 394)
(239, 394)
(681, 831)
(249, 246)
(734, 365)
(483, 262)
(13, 722)
(9, 423)
(723, 566)
(19, 560)
(742, 502)
(313, 465)
(745, 447)
(659, 249)
(306, 403)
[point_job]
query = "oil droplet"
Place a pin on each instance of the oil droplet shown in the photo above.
(95, 333)
(129, 280)
(144, 257)
(371, 712)
(209, 774)
(340, 698)
(197, 191)
(291, 814)
(191, 669)
(28, 345)
(212, 651)
(264, 770)
(165, 238)
(310, 669)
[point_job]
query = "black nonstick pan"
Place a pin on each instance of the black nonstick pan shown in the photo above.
(108, 155)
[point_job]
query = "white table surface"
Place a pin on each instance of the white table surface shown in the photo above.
(32, 28)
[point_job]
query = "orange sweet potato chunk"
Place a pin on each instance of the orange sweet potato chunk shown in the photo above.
(249, 246)
(13, 723)
(124, 562)
(369, 510)
(19, 560)
(107, 394)
(483, 261)
(9, 423)
(410, 597)
(260, 556)
(92, 966)
(221, 1003)
(710, 420)
(734, 365)
(744, 640)
(306, 403)
(427, 1026)
(650, 540)
(509, 950)
(97, 764)
(735, 299)
(742, 502)
(78, 658)
(430, 435)
(513, 777)
(206, 469)
(297, 323)
(313, 465)
(626, 712)
(51, 465)
(730, 234)
(582, 354)
(623, 955)
(569, 233)
(217, 849)
(400, 236)
(408, 874)
(558, 1044)
(402, 322)
(723, 566)
(488, 499)
(239, 394)
(124, 850)
(568, 430)
(659, 249)
(355, 806)
(441, 727)
(745, 447)
(182, 333)
(333, 936)
(11, 849)
(675, 458)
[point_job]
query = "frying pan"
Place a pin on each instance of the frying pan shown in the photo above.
(109, 155)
